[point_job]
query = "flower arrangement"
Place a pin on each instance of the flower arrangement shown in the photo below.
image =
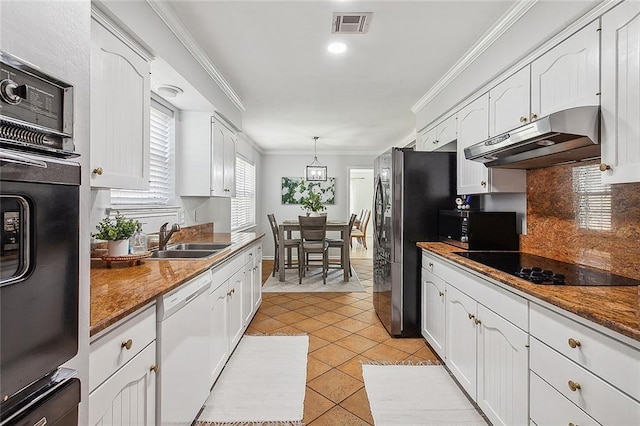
(312, 203)
(118, 228)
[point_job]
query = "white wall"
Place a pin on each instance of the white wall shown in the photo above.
(277, 166)
(55, 36)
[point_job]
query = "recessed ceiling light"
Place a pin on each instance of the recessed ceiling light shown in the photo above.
(337, 47)
(168, 90)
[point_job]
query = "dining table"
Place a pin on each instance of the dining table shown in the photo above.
(286, 227)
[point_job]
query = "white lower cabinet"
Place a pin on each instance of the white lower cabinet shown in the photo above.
(235, 318)
(592, 374)
(122, 379)
(433, 311)
(256, 282)
(502, 375)
(219, 339)
(523, 363)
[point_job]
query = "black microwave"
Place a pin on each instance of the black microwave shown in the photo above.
(478, 230)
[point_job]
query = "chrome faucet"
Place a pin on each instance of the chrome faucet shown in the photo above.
(164, 235)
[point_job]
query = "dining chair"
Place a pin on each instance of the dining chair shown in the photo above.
(360, 234)
(313, 232)
(358, 220)
(339, 243)
(288, 243)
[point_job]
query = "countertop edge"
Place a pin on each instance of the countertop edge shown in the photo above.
(202, 265)
(528, 291)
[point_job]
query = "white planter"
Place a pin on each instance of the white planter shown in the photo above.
(119, 247)
(314, 214)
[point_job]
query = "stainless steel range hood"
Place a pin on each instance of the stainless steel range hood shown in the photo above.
(565, 136)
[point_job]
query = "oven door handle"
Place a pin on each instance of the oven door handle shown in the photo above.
(10, 157)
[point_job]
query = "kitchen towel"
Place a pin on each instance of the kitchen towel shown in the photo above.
(416, 395)
(312, 283)
(263, 383)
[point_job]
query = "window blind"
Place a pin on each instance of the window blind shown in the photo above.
(243, 205)
(592, 198)
(161, 186)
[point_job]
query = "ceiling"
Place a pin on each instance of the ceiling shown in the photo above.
(274, 55)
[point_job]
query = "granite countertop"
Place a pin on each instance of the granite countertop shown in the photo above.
(615, 308)
(121, 290)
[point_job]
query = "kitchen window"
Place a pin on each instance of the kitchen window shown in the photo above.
(592, 198)
(243, 205)
(161, 163)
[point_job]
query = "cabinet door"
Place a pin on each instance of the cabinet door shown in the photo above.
(473, 127)
(120, 108)
(461, 338)
(219, 330)
(234, 309)
(621, 93)
(427, 140)
(257, 279)
(568, 75)
(229, 181)
(433, 311)
(247, 296)
(509, 103)
(217, 160)
(193, 154)
(129, 396)
(447, 131)
(503, 369)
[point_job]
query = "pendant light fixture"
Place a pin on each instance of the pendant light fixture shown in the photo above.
(315, 171)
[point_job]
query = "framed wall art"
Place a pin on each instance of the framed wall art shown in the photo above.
(295, 188)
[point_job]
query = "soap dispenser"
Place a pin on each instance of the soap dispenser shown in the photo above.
(138, 242)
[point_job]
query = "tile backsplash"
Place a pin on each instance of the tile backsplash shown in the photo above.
(573, 217)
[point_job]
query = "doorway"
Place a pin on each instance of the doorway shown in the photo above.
(361, 197)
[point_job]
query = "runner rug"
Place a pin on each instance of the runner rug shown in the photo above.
(263, 384)
(312, 283)
(416, 395)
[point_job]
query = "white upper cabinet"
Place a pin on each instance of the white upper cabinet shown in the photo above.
(568, 75)
(473, 127)
(621, 94)
(435, 138)
(475, 177)
(206, 157)
(509, 103)
(120, 108)
(223, 160)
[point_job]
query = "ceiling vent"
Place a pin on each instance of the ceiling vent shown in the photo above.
(350, 23)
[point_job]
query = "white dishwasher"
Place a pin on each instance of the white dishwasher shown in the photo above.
(183, 352)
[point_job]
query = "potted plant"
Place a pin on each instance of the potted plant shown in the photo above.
(116, 232)
(312, 204)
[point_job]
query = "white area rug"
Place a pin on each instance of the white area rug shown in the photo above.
(312, 283)
(416, 395)
(263, 383)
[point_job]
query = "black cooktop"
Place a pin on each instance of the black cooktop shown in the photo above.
(544, 271)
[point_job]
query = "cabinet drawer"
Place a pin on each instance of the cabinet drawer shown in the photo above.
(550, 407)
(606, 357)
(596, 397)
(109, 352)
(506, 304)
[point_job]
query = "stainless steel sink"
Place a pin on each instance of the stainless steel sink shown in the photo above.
(182, 254)
(200, 246)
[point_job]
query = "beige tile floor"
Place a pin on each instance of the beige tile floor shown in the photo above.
(343, 330)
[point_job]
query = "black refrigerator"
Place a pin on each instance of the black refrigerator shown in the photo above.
(410, 188)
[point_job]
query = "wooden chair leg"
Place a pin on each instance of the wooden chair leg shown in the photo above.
(364, 242)
(275, 263)
(300, 266)
(325, 266)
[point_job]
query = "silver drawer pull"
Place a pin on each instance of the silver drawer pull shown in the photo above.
(574, 386)
(574, 343)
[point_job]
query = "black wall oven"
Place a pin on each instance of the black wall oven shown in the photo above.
(39, 284)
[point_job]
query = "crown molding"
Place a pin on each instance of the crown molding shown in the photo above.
(505, 22)
(175, 25)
